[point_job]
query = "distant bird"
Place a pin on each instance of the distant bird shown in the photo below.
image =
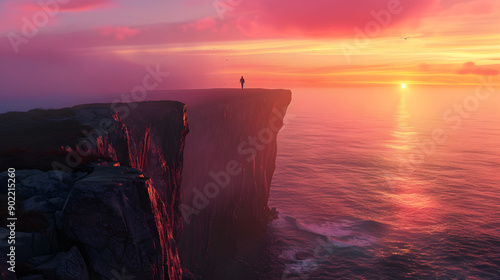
(407, 37)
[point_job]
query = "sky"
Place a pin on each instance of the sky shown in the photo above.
(77, 48)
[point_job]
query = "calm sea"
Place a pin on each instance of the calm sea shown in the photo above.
(384, 183)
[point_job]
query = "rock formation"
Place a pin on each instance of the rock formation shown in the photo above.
(110, 191)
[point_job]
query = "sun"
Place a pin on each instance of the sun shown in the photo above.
(403, 85)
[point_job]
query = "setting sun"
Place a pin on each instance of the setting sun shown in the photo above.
(205, 121)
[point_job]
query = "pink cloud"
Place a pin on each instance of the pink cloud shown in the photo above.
(202, 24)
(120, 32)
(322, 18)
(85, 5)
(471, 68)
(72, 76)
(468, 68)
(70, 6)
(474, 7)
(266, 19)
(424, 67)
(14, 13)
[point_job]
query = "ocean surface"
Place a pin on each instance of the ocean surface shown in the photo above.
(384, 183)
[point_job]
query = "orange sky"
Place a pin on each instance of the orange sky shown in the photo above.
(103, 46)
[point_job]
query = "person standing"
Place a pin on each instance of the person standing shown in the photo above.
(242, 82)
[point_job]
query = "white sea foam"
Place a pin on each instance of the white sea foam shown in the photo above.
(301, 267)
(338, 229)
(339, 233)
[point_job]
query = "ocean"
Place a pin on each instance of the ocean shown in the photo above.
(384, 183)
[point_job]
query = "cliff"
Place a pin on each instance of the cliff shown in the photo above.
(132, 192)
(116, 217)
(98, 224)
(229, 162)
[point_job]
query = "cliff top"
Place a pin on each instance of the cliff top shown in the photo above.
(205, 97)
(33, 139)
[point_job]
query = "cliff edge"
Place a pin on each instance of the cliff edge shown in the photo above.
(124, 188)
(229, 161)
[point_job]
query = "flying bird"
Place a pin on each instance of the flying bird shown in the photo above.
(413, 36)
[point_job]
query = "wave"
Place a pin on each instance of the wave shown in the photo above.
(343, 233)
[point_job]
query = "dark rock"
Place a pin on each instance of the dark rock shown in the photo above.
(38, 260)
(28, 245)
(4, 272)
(65, 266)
(274, 213)
(33, 277)
(114, 217)
(188, 275)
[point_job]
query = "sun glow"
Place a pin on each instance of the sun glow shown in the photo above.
(403, 85)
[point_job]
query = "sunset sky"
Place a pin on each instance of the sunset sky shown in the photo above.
(103, 46)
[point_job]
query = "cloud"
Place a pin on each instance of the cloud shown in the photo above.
(14, 14)
(263, 19)
(474, 7)
(202, 24)
(120, 32)
(424, 67)
(468, 68)
(471, 68)
(65, 6)
(85, 5)
(76, 70)
(321, 18)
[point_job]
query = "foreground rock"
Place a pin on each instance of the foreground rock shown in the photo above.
(63, 266)
(116, 216)
(101, 224)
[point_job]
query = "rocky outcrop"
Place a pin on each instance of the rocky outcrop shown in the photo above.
(122, 215)
(108, 221)
(63, 266)
(120, 191)
(117, 217)
(148, 136)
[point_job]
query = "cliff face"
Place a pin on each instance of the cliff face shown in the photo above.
(117, 217)
(150, 137)
(229, 161)
(123, 189)
(110, 220)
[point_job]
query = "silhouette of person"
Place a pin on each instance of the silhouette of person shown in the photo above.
(242, 82)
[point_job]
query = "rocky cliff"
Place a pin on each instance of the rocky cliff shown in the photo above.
(123, 215)
(119, 190)
(229, 162)
(99, 224)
